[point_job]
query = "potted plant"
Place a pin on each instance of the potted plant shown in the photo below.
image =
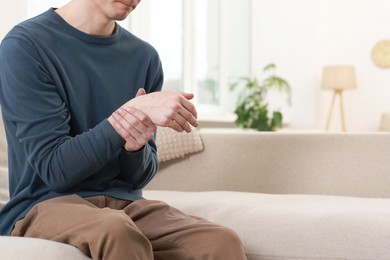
(252, 109)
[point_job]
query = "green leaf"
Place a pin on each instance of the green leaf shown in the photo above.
(268, 67)
(277, 119)
(252, 107)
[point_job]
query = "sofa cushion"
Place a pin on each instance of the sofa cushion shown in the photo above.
(20, 248)
(294, 226)
(3, 165)
(172, 144)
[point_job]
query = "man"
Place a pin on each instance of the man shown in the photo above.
(80, 101)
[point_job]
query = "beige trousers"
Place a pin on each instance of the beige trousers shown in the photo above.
(106, 228)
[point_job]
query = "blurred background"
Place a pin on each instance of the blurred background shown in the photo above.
(205, 45)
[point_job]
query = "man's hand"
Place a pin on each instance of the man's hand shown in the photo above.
(168, 109)
(134, 126)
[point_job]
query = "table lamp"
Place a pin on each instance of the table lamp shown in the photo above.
(338, 79)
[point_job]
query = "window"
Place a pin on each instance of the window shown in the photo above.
(203, 44)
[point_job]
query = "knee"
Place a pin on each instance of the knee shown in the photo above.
(118, 232)
(117, 225)
(226, 244)
(226, 236)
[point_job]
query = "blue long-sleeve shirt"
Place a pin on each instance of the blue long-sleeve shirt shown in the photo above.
(58, 85)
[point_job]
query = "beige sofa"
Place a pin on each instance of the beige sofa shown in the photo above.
(288, 195)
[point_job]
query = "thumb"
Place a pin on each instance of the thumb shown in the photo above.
(140, 92)
(188, 96)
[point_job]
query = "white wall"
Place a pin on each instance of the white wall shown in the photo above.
(11, 13)
(302, 36)
(14, 12)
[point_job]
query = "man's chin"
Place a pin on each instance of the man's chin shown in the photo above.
(119, 19)
(120, 16)
(122, 11)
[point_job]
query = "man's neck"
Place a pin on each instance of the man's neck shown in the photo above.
(86, 17)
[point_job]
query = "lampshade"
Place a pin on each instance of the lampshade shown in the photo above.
(338, 78)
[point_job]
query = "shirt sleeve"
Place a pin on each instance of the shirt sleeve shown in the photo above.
(140, 167)
(38, 112)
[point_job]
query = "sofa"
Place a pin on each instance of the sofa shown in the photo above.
(287, 195)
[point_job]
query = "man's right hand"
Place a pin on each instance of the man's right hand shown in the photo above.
(134, 126)
(167, 109)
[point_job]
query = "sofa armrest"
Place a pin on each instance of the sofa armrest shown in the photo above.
(350, 164)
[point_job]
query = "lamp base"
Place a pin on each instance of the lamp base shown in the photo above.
(337, 92)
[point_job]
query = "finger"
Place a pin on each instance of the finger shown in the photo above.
(188, 96)
(129, 132)
(187, 116)
(140, 92)
(134, 126)
(183, 122)
(132, 146)
(189, 107)
(130, 143)
(145, 125)
(174, 125)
